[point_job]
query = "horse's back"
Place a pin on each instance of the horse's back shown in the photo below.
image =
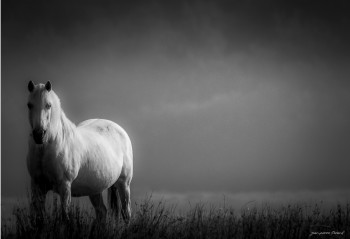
(104, 127)
(109, 130)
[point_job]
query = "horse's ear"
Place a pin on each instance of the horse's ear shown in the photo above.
(48, 86)
(30, 86)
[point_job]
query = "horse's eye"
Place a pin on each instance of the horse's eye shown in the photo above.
(30, 106)
(48, 106)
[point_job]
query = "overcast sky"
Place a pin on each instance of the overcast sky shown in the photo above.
(216, 96)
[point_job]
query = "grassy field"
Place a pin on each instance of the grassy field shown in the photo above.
(157, 220)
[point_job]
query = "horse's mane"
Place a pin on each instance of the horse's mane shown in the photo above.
(68, 127)
(62, 129)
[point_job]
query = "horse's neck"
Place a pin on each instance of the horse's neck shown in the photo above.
(66, 130)
(67, 126)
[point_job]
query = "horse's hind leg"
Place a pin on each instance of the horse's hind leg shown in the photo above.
(113, 200)
(100, 208)
(124, 193)
(101, 212)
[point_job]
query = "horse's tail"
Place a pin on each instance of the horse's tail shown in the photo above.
(114, 201)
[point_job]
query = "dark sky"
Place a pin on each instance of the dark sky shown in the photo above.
(217, 96)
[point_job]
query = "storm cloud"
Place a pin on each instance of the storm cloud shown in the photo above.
(217, 96)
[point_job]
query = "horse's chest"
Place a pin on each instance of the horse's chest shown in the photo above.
(52, 169)
(47, 167)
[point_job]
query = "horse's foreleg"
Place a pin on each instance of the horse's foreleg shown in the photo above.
(37, 204)
(65, 195)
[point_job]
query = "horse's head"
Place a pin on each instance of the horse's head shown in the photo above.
(40, 103)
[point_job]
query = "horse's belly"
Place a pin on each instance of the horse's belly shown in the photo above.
(103, 161)
(96, 177)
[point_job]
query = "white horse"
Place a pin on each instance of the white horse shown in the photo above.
(72, 160)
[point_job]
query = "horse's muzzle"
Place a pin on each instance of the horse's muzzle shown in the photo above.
(38, 135)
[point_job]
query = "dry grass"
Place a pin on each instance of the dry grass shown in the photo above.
(156, 220)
